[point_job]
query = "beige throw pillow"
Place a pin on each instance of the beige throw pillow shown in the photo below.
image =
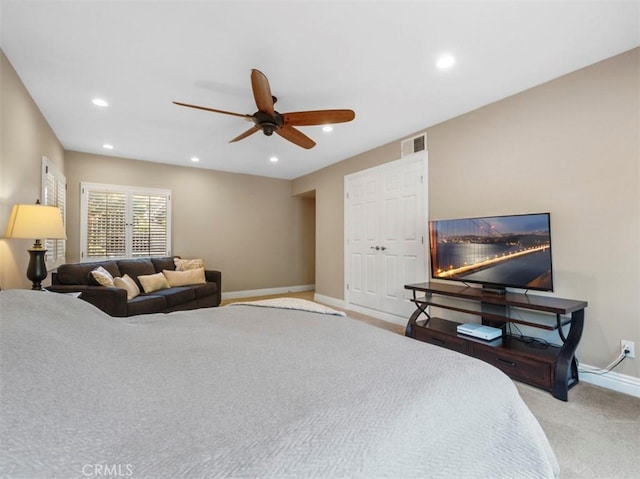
(102, 276)
(188, 264)
(127, 283)
(153, 282)
(183, 278)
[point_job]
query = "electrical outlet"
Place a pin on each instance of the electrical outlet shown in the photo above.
(630, 346)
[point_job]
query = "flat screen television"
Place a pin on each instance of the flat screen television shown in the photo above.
(497, 252)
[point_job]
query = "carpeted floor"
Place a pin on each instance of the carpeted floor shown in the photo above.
(595, 435)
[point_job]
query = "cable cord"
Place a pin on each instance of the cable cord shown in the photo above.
(606, 369)
(541, 343)
(529, 341)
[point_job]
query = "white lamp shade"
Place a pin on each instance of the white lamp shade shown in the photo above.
(35, 222)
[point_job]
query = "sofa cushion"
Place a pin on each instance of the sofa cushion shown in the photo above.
(79, 273)
(153, 282)
(102, 276)
(203, 290)
(176, 296)
(136, 267)
(184, 278)
(128, 284)
(146, 304)
(187, 264)
(165, 262)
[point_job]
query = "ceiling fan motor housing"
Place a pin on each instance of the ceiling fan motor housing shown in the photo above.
(267, 123)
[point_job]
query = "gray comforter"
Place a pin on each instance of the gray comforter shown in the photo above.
(247, 392)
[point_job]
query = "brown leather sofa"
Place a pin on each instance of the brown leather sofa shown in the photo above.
(77, 277)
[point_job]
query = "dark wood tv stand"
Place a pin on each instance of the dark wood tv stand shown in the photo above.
(549, 367)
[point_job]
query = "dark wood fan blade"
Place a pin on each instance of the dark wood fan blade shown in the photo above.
(246, 117)
(319, 117)
(242, 136)
(262, 92)
(296, 136)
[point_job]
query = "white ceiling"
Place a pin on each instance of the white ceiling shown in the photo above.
(374, 57)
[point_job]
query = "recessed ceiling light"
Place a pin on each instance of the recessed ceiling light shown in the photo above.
(273, 159)
(327, 128)
(195, 159)
(99, 102)
(107, 146)
(445, 61)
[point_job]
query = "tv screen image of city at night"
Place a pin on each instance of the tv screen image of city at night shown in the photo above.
(506, 251)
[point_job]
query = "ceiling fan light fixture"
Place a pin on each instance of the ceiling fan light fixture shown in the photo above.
(268, 128)
(107, 146)
(273, 159)
(195, 159)
(327, 128)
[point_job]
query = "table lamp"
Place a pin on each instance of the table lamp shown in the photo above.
(35, 221)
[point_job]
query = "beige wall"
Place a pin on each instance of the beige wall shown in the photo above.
(25, 136)
(249, 227)
(570, 147)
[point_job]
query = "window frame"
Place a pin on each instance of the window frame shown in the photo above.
(56, 248)
(129, 191)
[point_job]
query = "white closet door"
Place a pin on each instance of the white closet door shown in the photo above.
(401, 233)
(385, 224)
(363, 230)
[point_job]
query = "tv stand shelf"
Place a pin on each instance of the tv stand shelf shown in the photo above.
(552, 368)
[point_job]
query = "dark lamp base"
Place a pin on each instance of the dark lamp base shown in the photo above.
(37, 269)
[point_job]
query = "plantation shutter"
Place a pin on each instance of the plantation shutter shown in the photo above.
(54, 193)
(106, 224)
(149, 225)
(124, 222)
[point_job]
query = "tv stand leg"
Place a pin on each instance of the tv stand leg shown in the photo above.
(421, 309)
(566, 370)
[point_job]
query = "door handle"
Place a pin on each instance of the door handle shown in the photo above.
(377, 248)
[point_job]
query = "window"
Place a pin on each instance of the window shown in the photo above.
(54, 193)
(124, 222)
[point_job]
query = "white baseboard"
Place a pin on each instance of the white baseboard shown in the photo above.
(268, 291)
(621, 383)
(329, 301)
(374, 313)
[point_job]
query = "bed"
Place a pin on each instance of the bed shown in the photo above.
(248, 391)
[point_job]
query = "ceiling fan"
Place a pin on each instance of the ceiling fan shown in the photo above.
(269, 120)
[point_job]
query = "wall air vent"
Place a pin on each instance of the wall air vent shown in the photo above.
(414, 145)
